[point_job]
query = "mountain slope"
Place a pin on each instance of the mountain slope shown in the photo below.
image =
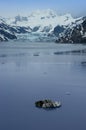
(76, 33)
(42, 20)
(6, 32)
(45, 25)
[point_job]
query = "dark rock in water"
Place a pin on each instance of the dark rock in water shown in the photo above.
(39, 103)
(47, 104)
(36, 54)
(83, 62)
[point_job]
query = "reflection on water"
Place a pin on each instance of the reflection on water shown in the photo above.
(31, 72)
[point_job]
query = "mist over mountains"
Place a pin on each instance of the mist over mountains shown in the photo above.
(44, 25)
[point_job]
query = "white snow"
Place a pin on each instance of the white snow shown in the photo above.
(42, 18)
(2, 36)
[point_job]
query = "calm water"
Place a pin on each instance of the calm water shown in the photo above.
(34, 71)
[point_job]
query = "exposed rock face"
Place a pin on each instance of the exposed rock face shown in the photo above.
(58, 29)
(36, 28)
(47, 104)
(40, 22)
(73, 34)
(6, 32)
(45, 26)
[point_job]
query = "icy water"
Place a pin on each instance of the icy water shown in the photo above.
(35, 71)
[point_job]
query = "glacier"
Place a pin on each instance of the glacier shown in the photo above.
(41, 25)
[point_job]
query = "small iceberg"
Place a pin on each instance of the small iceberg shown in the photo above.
(47, 104)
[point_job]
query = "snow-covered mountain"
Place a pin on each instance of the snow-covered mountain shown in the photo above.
(44, 25)
(44, 20)
(75, 33)
(6, 32)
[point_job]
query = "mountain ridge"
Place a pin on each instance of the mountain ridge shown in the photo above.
(44, 25)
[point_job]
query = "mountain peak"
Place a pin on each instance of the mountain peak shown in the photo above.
(41, 24)
(47, 12)
(41, 18)
(68, 15)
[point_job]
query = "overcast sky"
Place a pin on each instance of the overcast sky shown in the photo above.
(23, 7)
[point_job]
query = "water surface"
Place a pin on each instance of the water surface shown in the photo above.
(34, 71)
